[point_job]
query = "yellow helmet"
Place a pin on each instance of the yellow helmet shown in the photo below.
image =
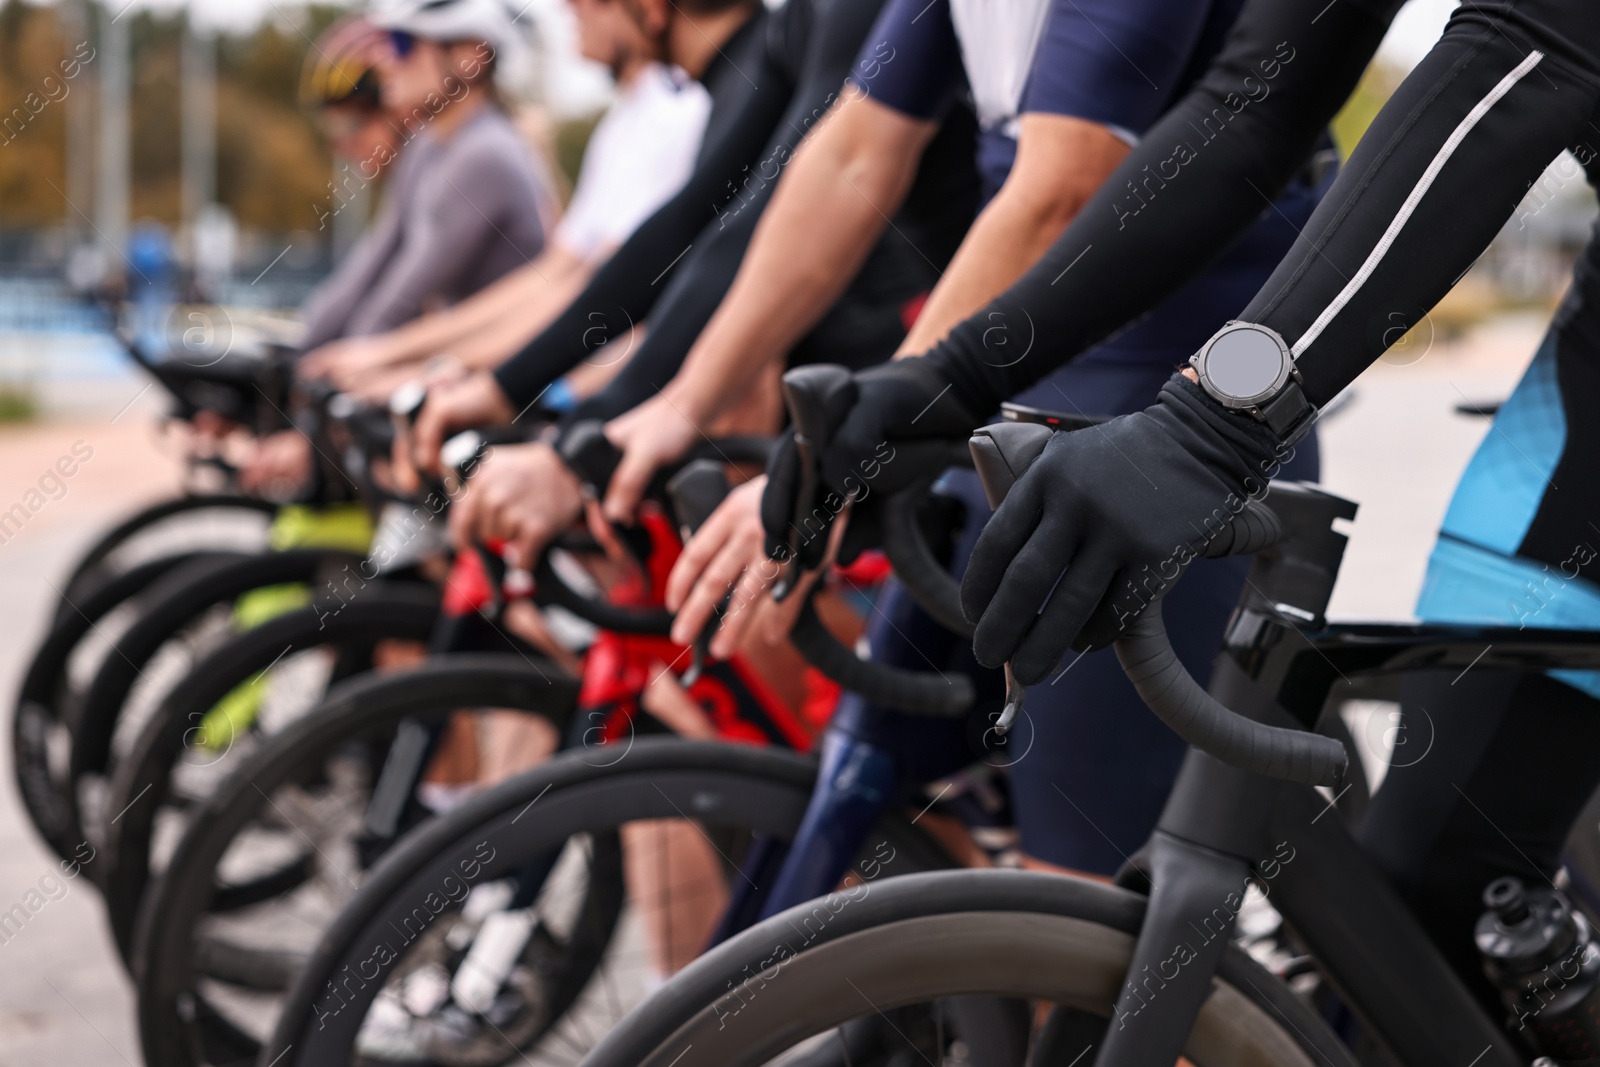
(341, 67)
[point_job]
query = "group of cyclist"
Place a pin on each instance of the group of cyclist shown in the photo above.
(1052, 202)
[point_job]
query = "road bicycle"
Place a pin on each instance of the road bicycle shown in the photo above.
(1122, 976)
(199, 1003)
(762, 802)
(111, 582)
(212, 607)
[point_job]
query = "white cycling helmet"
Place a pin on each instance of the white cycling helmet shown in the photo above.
(489, 21)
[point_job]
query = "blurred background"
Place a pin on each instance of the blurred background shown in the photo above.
(153, 153)
(162, 141)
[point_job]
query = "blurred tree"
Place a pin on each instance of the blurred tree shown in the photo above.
(273, 167)
(32, 126)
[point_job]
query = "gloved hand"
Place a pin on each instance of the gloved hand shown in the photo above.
(899, 430)
(1105, 521)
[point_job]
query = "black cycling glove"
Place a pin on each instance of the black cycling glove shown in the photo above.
(881, 446)
(1103, 523)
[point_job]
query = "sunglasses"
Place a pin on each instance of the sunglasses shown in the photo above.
(402, 42)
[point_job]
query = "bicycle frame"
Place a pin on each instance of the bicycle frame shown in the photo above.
(1222, 825)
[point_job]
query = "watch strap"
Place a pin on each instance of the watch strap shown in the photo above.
(1289, 415)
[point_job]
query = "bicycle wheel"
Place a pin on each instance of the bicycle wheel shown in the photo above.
(742, 803)
(170, 528)
(251, 686)
(190, 612)
(812, 985)
(52, 689)
(269, 857)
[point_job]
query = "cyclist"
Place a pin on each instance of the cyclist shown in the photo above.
(638, 156)
(1508, 86)
(690, 277)
(1091, 730)
(463, 207)
(463, 198)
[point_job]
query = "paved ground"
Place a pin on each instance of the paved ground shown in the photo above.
(1396, 447)
(63, 996)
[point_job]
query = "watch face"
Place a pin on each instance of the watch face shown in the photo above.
(1245, 363)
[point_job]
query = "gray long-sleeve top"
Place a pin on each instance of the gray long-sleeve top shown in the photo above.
(459, 213)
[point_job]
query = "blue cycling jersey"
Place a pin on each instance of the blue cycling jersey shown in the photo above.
(1119, 63)
(1518, 546)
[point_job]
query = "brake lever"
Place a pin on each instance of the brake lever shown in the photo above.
(695, 492)
(999, 456)
(818, 397)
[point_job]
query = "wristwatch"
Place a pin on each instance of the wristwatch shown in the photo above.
(1248, 368)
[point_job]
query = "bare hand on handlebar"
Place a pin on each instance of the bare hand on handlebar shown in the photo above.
(525, 495)
(728, 554)
(350, 361)
(473, 400)
(653, 435)
(1105, 520)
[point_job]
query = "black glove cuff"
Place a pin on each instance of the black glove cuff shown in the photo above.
(1257, 449)
(976, 386)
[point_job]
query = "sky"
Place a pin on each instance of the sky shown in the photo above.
(575, 86)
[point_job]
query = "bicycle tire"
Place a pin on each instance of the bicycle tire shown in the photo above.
(175, 1018)
(142, 781)
(180, 599)
(89, 570)
(45, 700)
(928, 937)
(767, 789)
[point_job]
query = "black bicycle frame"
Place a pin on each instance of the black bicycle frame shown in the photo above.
(1281, 663)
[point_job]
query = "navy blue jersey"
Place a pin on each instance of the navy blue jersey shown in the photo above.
(1120, 63)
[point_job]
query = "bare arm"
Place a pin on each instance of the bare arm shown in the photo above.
(523, 290)
(532, 293)
(1061, 162)
(845, 181)
(499, 333)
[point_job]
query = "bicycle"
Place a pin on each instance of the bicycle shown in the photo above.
(204, 607)
(179, 959)
(112, 580)
(644, 786)
(1143, 977)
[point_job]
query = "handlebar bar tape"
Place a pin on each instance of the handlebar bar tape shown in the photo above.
(550, 589)
(1179, 701)
(929, 584)
(919, 692)
(1255, 527)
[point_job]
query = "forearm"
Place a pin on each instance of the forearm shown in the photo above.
(1431, 183)
(440, 331)
(516, 322)
(1061, 162)
(1190, 188)
(854, 173)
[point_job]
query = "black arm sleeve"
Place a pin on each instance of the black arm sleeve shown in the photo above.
(1445, 163)
(700, 283)
(755, 88)
(1195, 182)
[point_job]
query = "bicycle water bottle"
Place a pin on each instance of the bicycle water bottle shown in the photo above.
(1541, 954)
